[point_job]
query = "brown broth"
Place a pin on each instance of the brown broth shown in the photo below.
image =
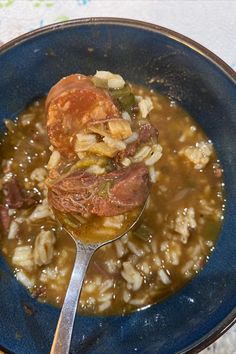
(160, 261)
(87, 231)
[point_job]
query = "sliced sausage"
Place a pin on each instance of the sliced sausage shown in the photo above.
(71, 104)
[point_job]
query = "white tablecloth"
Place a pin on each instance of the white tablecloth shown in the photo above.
(211, 23)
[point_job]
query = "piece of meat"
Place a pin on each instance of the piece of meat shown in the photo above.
(110, 194)
(39, 292)
(146, 132)
(71, 104)
(4, 218)
(16, 197)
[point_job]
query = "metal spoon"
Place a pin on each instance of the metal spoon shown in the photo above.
(84, 252)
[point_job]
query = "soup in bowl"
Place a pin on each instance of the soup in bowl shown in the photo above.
(168, 122)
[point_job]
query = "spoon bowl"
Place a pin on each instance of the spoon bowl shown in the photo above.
(84, 252)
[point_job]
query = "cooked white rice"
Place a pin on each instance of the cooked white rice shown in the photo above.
(43, 247)
(54, 159)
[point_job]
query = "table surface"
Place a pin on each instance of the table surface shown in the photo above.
(211, 23)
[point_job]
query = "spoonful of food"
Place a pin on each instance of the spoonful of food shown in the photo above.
(109, 194)
(84, 252)
(95, 194)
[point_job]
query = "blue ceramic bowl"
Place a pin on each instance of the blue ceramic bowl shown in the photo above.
(206, 87)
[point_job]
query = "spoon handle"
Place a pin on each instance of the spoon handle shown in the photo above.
(62, 337)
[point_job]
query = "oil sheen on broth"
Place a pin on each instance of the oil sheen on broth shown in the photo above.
(168, 247)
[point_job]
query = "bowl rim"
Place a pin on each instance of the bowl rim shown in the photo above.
(230, 320)
(178, 37)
